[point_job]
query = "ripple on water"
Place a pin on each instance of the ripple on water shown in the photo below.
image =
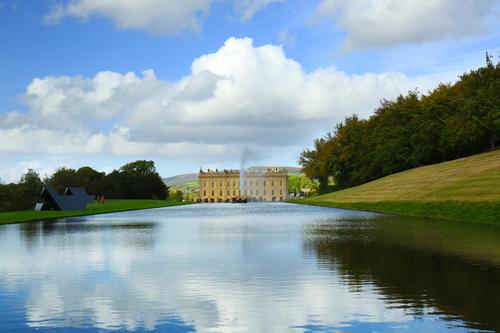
(258, 267)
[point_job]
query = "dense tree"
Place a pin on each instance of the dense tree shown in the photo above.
(30, 188)
(139, 180)
(62, 178)
(298, 182)
(136, 180)
(176, 195)
(315, 162)
(23, 195)
(90, 179)
(449, 122)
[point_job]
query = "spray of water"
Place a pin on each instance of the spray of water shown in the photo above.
(247, 155)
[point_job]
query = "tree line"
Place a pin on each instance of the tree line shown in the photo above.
(452, 121)
(135, 180)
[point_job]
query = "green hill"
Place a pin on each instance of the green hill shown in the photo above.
(466, 189)
(181, 180)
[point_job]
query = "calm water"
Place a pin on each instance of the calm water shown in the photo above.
(249, 268)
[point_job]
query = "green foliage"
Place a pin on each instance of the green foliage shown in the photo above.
(139, 180)
(62, 178)
(90, 179)
(450, 122)
(297, 182)
(176, 195)
(135, 180)
(23, 195)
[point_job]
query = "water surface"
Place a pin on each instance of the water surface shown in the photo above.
(259, 267)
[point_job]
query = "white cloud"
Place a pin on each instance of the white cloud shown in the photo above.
(389, 22)
(248, 8)
(154, 16)
(168, 17)
(239, 96)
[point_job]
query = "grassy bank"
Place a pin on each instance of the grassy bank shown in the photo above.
(110, 206)
(478, 212)
(466, 189)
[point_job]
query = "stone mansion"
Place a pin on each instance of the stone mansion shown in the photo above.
(253, 185)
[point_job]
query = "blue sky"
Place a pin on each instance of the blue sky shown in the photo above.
(221, 77)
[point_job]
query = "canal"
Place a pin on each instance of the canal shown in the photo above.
(257, 267)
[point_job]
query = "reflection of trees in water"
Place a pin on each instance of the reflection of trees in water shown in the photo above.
(418, 265)
(140, 235)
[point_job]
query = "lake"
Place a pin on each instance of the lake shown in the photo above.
(257, 267)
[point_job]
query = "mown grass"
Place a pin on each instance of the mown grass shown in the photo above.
(467, 189)
(477, 212)
(110, 206)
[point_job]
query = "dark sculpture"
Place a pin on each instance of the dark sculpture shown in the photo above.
(74, 198)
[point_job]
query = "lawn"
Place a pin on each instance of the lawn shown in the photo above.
(466, 189)
(109, 206)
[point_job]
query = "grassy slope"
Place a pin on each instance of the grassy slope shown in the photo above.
(466, 189)
(93, 208)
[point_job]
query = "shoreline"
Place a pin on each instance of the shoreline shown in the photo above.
(483, 212)
(111, 206)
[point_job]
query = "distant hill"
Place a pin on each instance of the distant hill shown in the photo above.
(180, 181)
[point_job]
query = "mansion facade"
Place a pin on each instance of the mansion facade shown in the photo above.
(252, 185)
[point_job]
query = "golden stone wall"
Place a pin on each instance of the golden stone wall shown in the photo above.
(256, 185)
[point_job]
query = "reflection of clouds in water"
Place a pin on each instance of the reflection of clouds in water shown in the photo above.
(43, 304)
(232, 278)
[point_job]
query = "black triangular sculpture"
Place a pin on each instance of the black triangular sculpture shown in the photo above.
(74, 198)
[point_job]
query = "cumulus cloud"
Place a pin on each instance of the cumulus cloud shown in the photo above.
(168, 17)
(240, 95)
(384, 23)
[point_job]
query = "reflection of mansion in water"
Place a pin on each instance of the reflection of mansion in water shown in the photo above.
(255, 185)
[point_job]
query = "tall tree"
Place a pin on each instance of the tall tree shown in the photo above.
(412, 130)
(62, 178)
